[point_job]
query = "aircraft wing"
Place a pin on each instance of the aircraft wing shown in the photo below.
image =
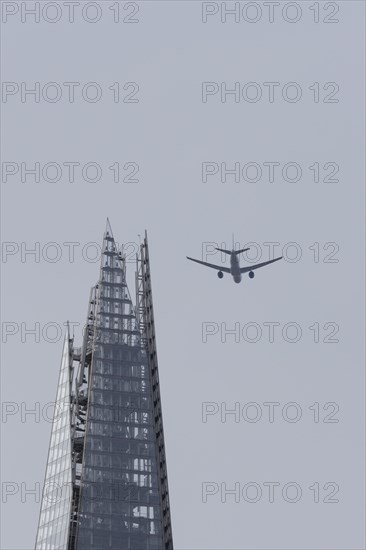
(257, 266)
(218, 267)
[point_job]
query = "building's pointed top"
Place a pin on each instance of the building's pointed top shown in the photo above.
(108, 229)
(109, 247)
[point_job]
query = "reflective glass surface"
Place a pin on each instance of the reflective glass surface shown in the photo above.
(119, 503)
(54, 519)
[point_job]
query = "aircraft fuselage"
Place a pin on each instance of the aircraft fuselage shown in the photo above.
(235, 267)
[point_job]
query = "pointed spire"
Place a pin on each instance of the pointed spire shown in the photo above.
(109, 249)
(108, 229)
(67, 331)
(109, 238)
(112, 259)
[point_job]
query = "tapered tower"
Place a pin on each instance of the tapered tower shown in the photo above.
(106, 483)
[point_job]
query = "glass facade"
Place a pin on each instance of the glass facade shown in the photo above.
(106, 481)
(119, 499)
(53, 529)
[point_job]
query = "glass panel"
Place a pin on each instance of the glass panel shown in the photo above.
(57, 491)
(119, 502)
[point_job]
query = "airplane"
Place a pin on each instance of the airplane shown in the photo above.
(235, 270)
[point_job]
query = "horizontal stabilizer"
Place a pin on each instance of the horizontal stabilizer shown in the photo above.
(223, 250)
(242, 250)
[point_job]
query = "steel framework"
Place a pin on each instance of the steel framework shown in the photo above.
(106, 484)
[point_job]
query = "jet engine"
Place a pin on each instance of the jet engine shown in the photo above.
(251, 274)
(220, 274)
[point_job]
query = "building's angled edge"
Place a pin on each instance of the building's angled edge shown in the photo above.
(144, 300)
(54, 519)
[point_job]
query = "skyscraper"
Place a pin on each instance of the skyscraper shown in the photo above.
(106, 483)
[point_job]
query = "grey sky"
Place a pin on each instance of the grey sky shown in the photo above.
(169, 133)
